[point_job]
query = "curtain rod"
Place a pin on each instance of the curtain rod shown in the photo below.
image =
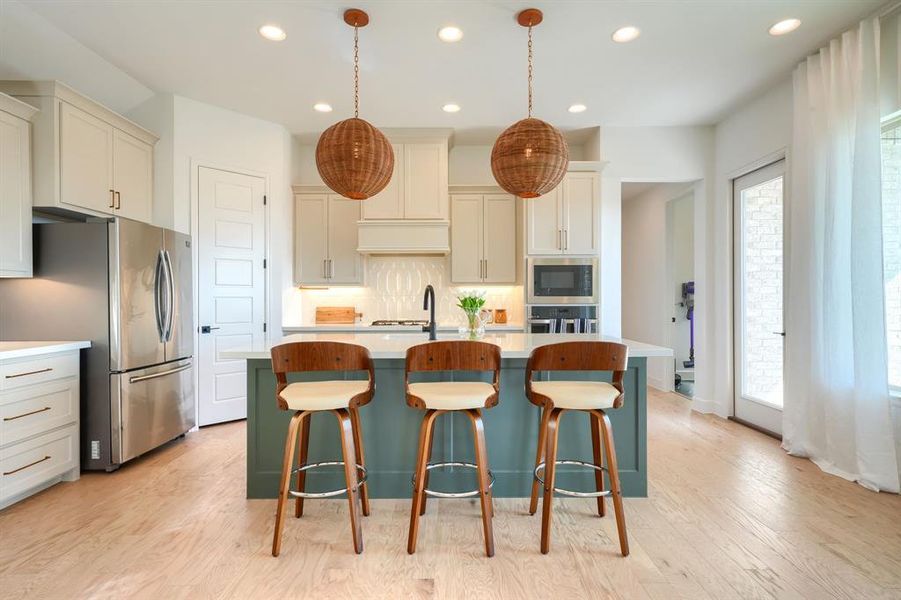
(887, 10)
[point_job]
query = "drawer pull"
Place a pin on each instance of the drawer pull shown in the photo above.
(47, 370)
(28, 414)
(37, 462)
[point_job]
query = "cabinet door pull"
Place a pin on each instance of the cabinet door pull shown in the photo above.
(118, 200)
(558, 240)
(112, 198)
(39, 461)
(486, 269)
(28, 414)
(331, 269)
(13, 376)
(566, 239)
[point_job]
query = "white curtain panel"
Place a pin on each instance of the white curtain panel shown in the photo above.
(837, 404)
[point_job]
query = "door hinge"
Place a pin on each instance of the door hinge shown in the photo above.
(264, 199)
(264, 328)
(264, 263)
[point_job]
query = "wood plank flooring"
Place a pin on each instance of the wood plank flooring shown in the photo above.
(730, 515)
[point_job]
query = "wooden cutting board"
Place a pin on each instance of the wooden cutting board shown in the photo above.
(336, 315)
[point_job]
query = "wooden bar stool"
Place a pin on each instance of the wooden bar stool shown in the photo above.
(592, 397)
(438, 398)
(343, 398)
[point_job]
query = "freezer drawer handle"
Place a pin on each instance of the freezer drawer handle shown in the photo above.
(37, 462)
(47, 370)
(28, 414)
(155, 375)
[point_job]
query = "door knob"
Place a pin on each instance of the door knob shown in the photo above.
(207, 328)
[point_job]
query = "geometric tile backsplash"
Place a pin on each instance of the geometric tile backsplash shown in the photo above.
(394, 289)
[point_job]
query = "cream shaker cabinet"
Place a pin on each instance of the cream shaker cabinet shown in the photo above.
(87, 159)
(483, 238)
(565, 220)
(418, 187)
(325, 245)
(15, 187)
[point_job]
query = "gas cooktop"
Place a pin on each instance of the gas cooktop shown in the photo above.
(399, 322)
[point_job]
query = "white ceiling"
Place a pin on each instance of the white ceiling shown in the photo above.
(694, 60)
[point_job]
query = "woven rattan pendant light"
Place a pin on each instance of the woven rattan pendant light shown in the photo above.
(530, 157)
(354, 158)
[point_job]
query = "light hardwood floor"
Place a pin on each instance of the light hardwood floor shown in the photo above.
(729, 516)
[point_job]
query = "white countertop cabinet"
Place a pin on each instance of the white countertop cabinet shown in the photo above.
(15, 187)
(483, 238)
(87, 158)
(39, 416)
(565, 220)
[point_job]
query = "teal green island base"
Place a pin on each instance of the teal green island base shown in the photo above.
(391, 434)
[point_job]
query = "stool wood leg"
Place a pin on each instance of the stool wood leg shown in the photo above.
(550, 471)
(539, 456)
(285, 481)
(302, 454)
(426, 482)
(425, 441)
(481, 452)
(615, 490)
(350, 476)
(595, 423)
(361, 459)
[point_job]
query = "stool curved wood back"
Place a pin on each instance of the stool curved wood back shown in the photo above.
(321, 356)
(578, 356)
(453, 355)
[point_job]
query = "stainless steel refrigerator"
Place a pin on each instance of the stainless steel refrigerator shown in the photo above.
(126, 287)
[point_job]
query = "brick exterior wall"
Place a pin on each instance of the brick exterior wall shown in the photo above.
(891, 240)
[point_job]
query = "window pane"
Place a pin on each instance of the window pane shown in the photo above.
(891, 239)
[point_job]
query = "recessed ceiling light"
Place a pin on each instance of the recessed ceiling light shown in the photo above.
(626, 34)
(577, 108)
(451, 108)
(273, 32)
(785, 26)
(322, 107)
(450, 33)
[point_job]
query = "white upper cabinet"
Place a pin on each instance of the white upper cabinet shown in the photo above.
(483, 238)
(87, 158)
(418, 187)
(565, 220)
(325, 233)
(389, 203)
(15, 187)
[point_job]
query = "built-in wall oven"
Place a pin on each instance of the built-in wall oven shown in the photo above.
(562, 281)
(569, 318)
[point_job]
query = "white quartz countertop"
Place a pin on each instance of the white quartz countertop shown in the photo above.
(9, 350)
(366, 328)
(394, 345)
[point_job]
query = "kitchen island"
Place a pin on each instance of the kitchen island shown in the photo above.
(391, 428)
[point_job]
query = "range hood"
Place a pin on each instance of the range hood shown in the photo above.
(404, 236)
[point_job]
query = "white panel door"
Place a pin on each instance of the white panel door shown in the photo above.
(580, 213)
(231, 278)
(544, 223)
(86, 160)
(15, 197)
(345, 264)
(425, 181)
(132, 177)
(759, 333)
(466, 238)
(389, 203)
(499, 238)
(311, 238)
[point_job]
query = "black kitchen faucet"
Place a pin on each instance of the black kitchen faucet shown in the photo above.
(428, 303)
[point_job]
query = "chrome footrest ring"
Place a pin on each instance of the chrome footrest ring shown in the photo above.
(441, 465)
(362, 475)
(565, 492)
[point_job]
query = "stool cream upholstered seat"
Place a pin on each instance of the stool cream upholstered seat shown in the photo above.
(343, 398)
(594, 397)
(437, 398)
(577, 395)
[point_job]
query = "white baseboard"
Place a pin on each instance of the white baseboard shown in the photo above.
(707, 407)
(658, 384)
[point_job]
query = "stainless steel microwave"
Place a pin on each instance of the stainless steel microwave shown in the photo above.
(562, 280)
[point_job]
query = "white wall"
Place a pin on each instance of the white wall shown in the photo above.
(646, 293)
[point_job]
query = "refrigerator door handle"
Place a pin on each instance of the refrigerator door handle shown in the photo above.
(140, 378)
(170, 286)
(158, 296)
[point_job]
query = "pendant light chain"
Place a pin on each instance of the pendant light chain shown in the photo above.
(530, 71)
(356, 72)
